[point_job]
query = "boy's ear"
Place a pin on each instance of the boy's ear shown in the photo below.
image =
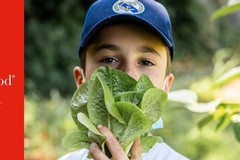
(168, 82)
(78, 76)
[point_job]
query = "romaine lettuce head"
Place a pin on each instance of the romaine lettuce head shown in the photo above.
(114, 99)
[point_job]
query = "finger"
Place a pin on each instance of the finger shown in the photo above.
(97, 153)
(112, 143)
(136, 150)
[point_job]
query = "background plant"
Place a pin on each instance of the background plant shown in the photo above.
(222, 89)
(52, 29)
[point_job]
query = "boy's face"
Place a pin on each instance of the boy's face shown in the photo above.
(130, 48)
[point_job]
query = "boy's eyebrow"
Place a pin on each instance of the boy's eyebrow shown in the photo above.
(145, 49)
(108, 46)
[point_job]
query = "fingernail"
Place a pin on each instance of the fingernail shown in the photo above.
(93, 145)
(99, 126)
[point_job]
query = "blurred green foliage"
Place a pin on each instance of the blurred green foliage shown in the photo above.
(181, 133)
(53, 28)
(46, 121)
(52, 32)
(223, 87)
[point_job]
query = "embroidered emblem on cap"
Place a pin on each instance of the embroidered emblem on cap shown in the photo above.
(128, 6)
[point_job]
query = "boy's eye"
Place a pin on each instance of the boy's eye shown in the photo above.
(109, 60)
(146, 63)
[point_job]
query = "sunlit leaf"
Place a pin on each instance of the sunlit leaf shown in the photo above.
(87, 123)
(227, 77)
(226, 10)
(204, 107)
(183, 96)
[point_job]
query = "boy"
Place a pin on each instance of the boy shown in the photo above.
(133, 36)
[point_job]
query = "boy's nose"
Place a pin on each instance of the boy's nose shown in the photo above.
(131, 71)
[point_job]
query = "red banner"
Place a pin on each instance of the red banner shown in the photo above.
(12, 80)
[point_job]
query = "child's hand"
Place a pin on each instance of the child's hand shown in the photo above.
(114, 147)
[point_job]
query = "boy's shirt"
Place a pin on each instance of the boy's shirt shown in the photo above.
(160, 151)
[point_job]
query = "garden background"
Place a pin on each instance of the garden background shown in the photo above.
(204, 46)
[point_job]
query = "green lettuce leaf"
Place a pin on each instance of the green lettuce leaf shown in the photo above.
(153, 104)
(143, 84)
(147, 142)
(114, 99)
(77, 139)
(137, 123)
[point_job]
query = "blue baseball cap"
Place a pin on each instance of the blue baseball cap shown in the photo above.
(147, 12)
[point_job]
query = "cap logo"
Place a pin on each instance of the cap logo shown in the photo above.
(128, 6)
